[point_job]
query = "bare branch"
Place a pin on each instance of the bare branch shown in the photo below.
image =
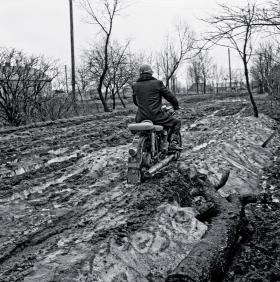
(176, 51)
(235, 27)
(104, 19)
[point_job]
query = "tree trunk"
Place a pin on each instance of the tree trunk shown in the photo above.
(246, 72)
(204, 86)
(106, 92)
(167, 82)
(13, 116)
(103, 101)
(261, 87)
(97, 106)
(123, 104)
(173, 87)
(104, 72)
(114, 99)
(123, 94)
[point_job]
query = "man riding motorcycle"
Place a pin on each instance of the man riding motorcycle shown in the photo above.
(147, 96)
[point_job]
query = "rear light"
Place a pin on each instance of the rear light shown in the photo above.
(132, 151)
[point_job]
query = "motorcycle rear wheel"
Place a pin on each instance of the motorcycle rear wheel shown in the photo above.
(138, 164)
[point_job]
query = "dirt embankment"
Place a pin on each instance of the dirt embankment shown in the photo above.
(68, 214)
(257, 257)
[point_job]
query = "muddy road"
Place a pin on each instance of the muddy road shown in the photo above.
(65, 183)
(63, 193)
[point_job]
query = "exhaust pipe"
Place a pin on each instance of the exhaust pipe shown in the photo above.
(159, 166)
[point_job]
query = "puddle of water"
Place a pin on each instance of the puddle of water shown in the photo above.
(202, 146)
(59, 151)
(232, 100)
(39, 189)
(63, 158)
(34, 165)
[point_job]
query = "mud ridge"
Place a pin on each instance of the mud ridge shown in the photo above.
(223, 212)
(37, 237)
(209, 257)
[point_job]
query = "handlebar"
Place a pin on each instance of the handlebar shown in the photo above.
(170, 109)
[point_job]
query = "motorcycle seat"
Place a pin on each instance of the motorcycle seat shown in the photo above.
(158, 127)
(143, 126)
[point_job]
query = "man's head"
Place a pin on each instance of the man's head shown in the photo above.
(145, 69)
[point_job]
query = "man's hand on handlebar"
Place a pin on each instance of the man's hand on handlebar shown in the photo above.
(170, 110)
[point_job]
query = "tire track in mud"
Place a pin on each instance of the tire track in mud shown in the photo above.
(104, 204)
(52, 138)
(78, 193)
(36, 200)
(48, 197)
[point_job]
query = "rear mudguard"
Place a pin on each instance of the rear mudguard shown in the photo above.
(135, 159)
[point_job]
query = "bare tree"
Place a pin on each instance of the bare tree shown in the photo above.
(258, 70)
(177, 50)
(206, 68)
(265, 60)
(86, 87)
(236, 79)
(201, 69)
(218, 73)
(55, 104)
(269, 16)
(122, 70)
(157, 66)
(24, 80)
(103, 16)
(117, 73)
(266, 69)
(83, 80)
(194, 70)
(235, 27)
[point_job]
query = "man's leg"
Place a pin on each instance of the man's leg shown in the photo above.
(174, 125)
(175, 135)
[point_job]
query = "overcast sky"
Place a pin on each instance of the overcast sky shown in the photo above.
(42, 26)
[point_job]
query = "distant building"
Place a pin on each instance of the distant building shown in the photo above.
(198, 88)
(17, 76)
(59, 93)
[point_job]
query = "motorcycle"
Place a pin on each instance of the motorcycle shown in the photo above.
(149, 150)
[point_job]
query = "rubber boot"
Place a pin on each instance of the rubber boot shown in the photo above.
(174, 144)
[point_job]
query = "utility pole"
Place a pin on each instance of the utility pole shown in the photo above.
(229, 66)
(72, 58)
(66, 79)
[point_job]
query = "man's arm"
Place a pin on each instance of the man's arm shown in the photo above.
(134, 96)
(169, 96)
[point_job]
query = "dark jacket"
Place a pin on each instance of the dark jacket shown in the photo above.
(147, 95)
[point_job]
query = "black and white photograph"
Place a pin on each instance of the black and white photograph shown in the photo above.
(139, 141)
